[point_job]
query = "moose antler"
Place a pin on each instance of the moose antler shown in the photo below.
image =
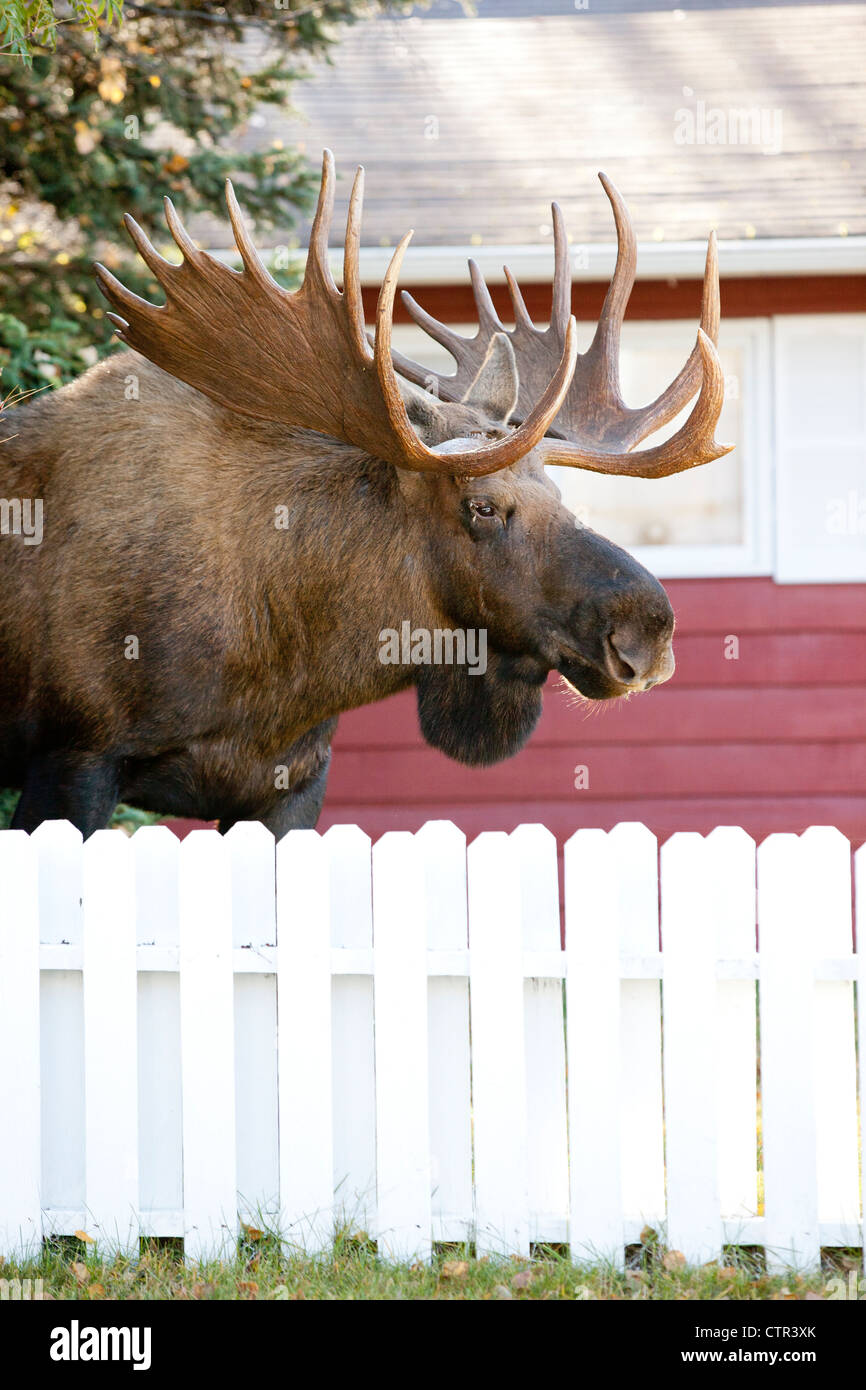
(301, 359)
(596, 428)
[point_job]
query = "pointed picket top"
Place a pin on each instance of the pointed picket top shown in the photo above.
(349, 852)
(826, 862)
(155, 854)
(251, 848)
(731, 863)
(442, 847)
(535, 852)
(59, 847)
(634, 885)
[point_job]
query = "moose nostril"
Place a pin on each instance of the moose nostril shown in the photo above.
(633, 660)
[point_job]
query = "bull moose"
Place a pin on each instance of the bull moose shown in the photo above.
(224, 544)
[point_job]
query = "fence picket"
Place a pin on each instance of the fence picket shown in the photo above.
(498, 1048)
(691, 1029)
(207, 1047)
(110, 1042)
(443, 854)
(59, 854)
(21, 1158)
(353, 1033)
(251, 854)
(156, 858)
(826, 896)
(787, 1053)
(304, 1040)
(534, 850)
(633, 896)
(402, 1104)
(729, 899)
(594, 1033)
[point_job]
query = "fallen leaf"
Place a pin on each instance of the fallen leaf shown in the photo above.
(454, 1269)
(96, 1291)
(674, 1259)
(82, 1235)
(80, 1271)
(249, 1287)
(727, 1271)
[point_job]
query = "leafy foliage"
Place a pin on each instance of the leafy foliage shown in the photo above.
(87, 134)
(24, 23)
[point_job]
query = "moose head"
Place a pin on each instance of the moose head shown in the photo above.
(404, 503)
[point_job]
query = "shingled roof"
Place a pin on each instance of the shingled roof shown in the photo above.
(469, 125)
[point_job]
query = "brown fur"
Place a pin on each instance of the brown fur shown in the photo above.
(159, 523)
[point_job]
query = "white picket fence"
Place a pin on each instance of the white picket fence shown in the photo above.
(206, 1033)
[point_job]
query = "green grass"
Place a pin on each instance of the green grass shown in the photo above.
(262, 1269)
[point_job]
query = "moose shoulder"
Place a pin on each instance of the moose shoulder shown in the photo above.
(235, 510)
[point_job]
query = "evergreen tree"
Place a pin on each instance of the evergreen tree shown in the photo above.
(104, 123)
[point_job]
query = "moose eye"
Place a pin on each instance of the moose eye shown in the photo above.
(482, 509)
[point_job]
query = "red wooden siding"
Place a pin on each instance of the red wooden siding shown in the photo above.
(775, 740)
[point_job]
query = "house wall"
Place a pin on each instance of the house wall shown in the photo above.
(768, 733)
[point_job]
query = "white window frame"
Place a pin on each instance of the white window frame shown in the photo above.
(754, 555)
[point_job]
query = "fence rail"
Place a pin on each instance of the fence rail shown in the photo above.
(222, 1030)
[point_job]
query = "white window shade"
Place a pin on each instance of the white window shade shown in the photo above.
(820, 419)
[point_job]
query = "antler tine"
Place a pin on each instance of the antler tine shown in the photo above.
(648, 418)
(475, 462)
(317, 271)
(440, 332)
(561, 296)
(521, 313)
(693, 444)
(253, 262)
(183, 240)
(152, 259)
(607, 333)
(489, 321)
(352, 272)
(118, 294)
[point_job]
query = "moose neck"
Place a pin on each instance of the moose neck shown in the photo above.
(351, 581)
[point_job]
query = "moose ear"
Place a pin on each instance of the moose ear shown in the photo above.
(496, 384)
(421, 407)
